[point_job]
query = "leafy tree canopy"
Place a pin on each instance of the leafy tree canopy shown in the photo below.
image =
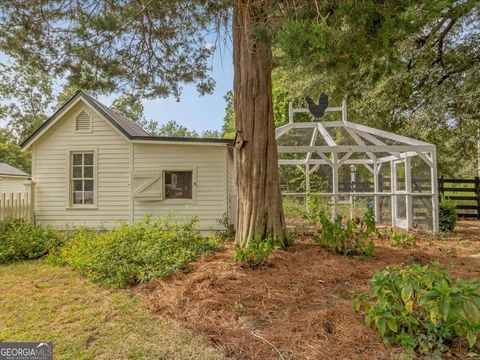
(426, 88)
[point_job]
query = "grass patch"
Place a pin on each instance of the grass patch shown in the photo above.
(43, 302)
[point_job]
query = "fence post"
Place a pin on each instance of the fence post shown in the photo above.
(441, 186)
(477, 193)
(30, 189)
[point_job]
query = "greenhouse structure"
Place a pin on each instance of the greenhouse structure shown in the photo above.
(353, 167)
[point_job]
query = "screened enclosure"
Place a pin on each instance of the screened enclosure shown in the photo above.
(347, 168)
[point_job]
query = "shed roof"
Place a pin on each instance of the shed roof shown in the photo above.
(127, 127)
(123, 123)
(8, 170)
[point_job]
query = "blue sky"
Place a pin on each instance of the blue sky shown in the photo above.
(194, 111)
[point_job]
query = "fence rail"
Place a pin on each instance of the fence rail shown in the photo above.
(16, 205)
(468, 200)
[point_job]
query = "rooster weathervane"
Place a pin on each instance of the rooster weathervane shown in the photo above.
(317, 110)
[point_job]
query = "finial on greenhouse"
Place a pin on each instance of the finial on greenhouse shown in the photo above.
(317, 110)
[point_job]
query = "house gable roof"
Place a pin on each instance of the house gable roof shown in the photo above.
(127, 127)
(8, 170)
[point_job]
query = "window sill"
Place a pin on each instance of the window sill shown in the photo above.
(91, 207)
(179, 201)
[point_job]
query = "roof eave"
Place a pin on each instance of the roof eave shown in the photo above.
(176, 140)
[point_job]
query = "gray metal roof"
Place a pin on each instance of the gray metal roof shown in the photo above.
(8, 170)
(132, 128)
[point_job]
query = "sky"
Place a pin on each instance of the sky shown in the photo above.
(195, 112)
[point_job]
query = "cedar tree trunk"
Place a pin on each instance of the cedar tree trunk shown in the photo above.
(259, 203)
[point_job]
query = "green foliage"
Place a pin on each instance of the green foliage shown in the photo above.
(255, 254)
(112, 48)
(21, 240)
(131, 254)
(228, 128)
(293, 208)
(401, 239)
(351, 238)
(447, 215)
(422, 308)
(173, 129)
(12, 154)
(280, 97)
(229, 229)
(317, 207)
(26, 95)
(416, 73)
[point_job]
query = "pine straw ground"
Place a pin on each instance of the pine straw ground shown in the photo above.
(300, 306)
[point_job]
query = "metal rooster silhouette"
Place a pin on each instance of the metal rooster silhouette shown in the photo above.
(317, 110)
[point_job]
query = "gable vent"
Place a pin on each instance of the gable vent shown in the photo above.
(83, 121)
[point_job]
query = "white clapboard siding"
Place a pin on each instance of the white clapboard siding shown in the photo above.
(231, 201)
(209, 164)
(12, 184)
(50, 156)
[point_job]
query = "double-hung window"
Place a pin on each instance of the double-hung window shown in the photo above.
(82, 179)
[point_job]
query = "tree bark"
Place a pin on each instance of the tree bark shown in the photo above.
(259, 202)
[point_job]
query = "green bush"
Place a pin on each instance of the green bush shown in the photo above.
(21, 240)
(293, 208)
(447, 215)
(229, 229)
(255, 254)
(318, 206)
(402, 239)
(136, 253)
(349, 238)
(422, 308)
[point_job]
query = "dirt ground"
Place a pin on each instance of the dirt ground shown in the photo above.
(299, 307)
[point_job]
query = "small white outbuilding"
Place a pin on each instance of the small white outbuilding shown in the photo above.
(12, 179)
(94, 167)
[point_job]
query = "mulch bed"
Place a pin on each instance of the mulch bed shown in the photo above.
(299, 307)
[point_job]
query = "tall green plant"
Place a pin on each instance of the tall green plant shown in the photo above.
(422, 308)
(350, 237)
(447, 215)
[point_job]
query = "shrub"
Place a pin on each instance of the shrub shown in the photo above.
(402, 239)
(421, 308)
(447, 215)
(255, 254)
(136, 253)
(229, 231)
(349, 238)
(318, 206)
(293, 208)
(21, 240)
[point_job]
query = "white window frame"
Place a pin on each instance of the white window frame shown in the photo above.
(86, 131)
(193, 200)
(69, 187)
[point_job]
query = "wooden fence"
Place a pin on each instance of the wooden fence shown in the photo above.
(465, 193)
(16, 205)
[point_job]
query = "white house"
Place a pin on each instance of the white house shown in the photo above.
(12, 179)
(94, 167)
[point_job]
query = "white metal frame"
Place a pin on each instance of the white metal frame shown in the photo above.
(334, 155)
